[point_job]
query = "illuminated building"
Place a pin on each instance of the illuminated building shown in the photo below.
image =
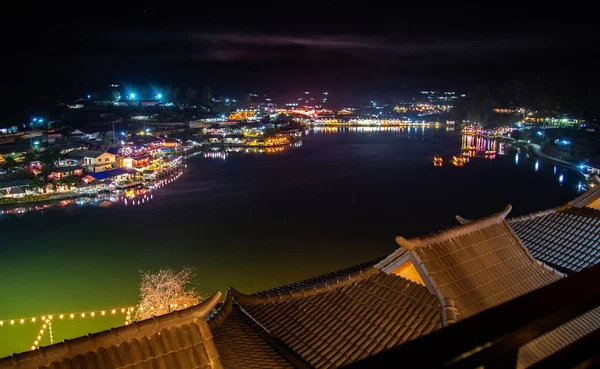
(94, 161)
(243, 115)
(427, 286)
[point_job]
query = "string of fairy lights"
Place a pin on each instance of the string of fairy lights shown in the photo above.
(48, 319)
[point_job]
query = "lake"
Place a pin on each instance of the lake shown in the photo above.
(258, 220)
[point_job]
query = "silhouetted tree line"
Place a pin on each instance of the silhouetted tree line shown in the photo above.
(549, 95)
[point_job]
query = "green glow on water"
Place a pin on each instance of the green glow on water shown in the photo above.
(252, 222)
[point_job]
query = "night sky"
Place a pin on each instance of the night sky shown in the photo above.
(290, 46)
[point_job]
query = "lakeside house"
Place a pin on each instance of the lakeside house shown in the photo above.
(15, 188)
(118, 174)
(429, 290)
(61, 172)
(94, 161)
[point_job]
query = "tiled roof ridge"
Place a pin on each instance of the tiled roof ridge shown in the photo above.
(222, 312)
(319, 279)
(114, 336)
(454, 232)
(539, 214)
(303, 292)
(583, 212)
(587, 196)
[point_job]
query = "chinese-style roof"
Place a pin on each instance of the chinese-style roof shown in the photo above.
(569, 240)
(478, 265)
(567, 237)
(179, 340)
(312, 281)
(239, 345)
(337, 318)
(337, 323)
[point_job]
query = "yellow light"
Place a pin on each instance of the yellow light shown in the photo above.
(113, 311)
(103, 313)
(128, 313)
(184, 305)
(126, 323)
(12, 322)
(92, 314)
(41, 331)
(44, 317)
(47, 321)
(72, 316)
(1, 323)
(61, 316)
(44, 326)
(161, 306)
(22, 321)
(123, 310)
(32, 348)
(151, 307)
(130, 309)
(39, 337)
(36, 342)
(50, 317)
(33, 320)
(141, 309)
(83, 315)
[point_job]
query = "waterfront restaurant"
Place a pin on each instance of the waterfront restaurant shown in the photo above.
(472, 295)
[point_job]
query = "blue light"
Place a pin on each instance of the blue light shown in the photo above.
(565, 142)
(517, 158)
(35, 119)
(226, 100)
(89, 96)
(122, 133)
(36, 142)
(539, 133)
(537, 165)
(40, 120)
(581, 166)
(561, 178)
(159, 96)
(132, 95)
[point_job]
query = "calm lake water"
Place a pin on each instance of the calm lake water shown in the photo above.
(255, 221)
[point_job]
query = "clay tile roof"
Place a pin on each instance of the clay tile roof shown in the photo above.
(179, 340)
(312, 281)
(239, 345)
(336, 324)
(568, 240)
(479, 265)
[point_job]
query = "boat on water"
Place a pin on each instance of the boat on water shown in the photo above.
(458, 161)
(437, 161)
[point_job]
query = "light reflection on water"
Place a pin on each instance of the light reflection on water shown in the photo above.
(353, 188)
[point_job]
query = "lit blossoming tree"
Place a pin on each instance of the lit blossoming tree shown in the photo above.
(165, 291)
